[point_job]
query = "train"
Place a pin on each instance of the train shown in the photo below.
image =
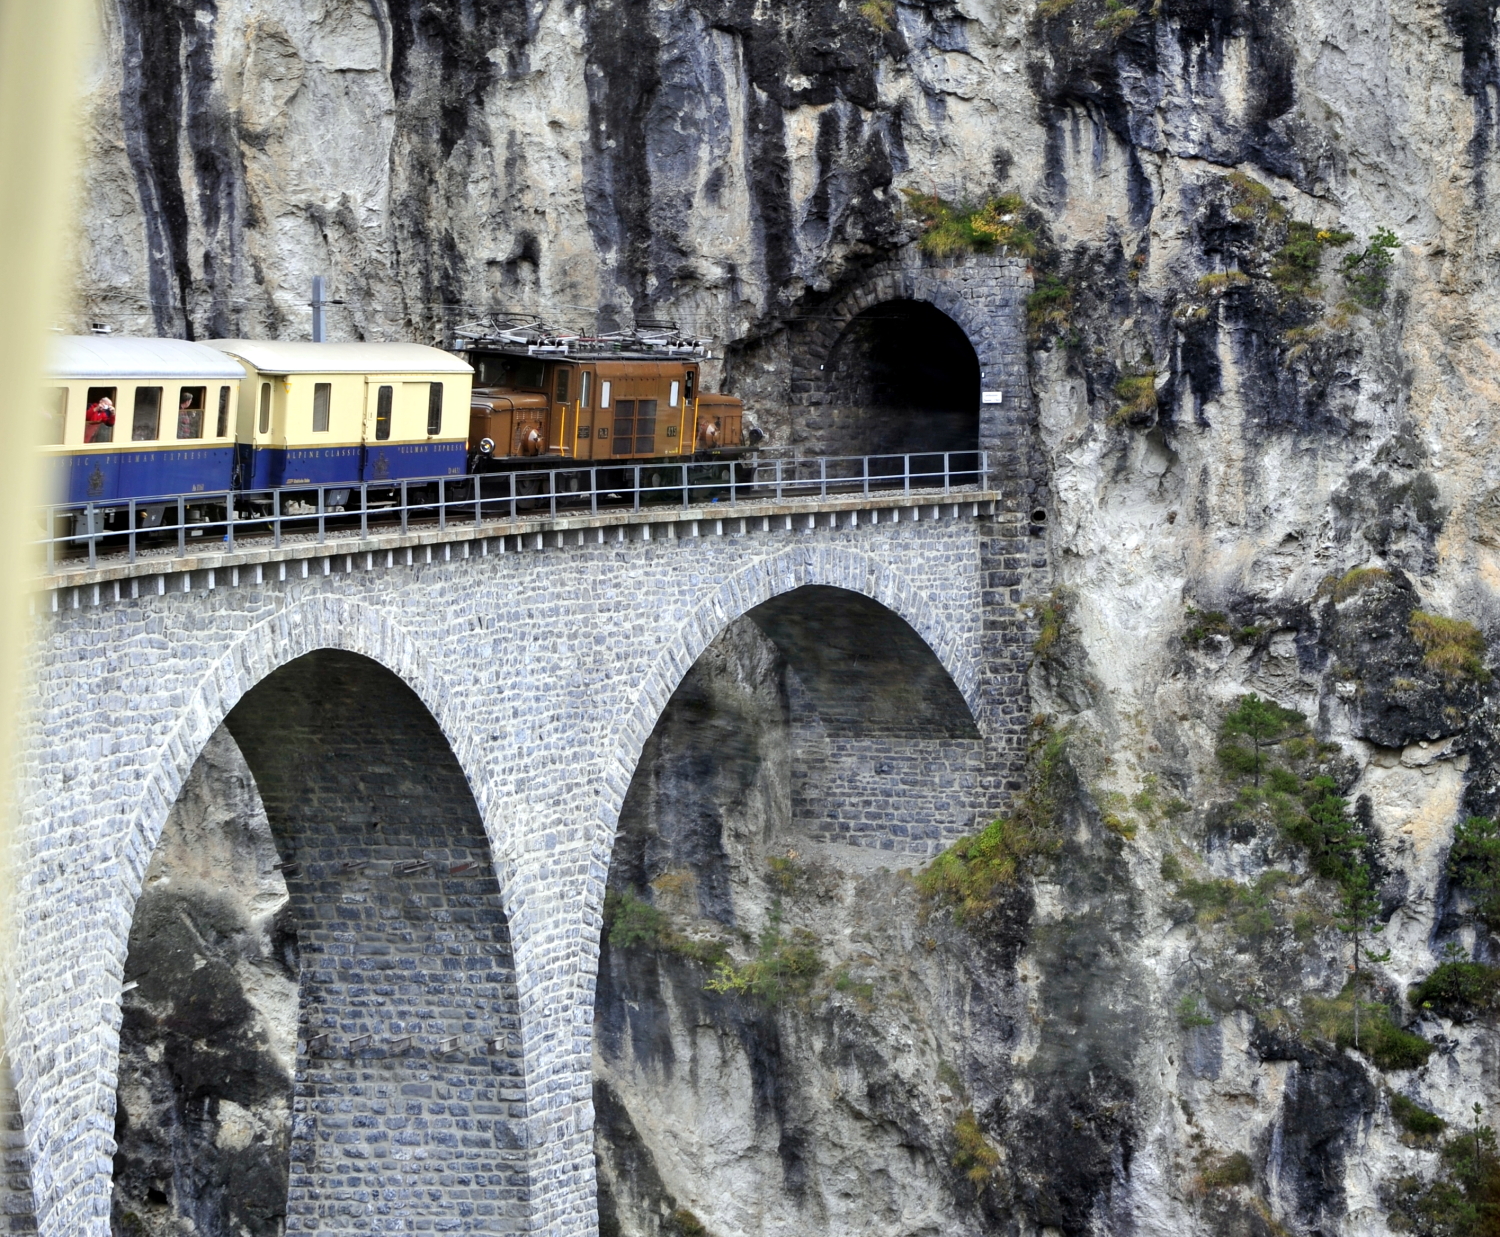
(135, 418)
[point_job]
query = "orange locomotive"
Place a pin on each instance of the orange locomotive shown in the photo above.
(541, 397)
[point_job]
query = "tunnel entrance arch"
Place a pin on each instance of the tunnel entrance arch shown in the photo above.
(903, 377)
(817, 742)
(401, 1077)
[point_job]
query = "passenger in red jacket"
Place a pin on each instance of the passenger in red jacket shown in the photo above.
(99, 421)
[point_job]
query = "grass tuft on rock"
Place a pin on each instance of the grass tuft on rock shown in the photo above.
(1049, 307)
(971, 876)
(1380, 1039)
(879, 13)
(1225, 1172)
(1451, 647)
(1356, 581)
(974, 1155)
(949, 229)
(1414, 1120)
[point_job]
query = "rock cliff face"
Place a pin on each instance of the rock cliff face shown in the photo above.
(1270, 451)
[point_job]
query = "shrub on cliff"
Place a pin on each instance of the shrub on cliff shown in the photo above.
(972, 874)
(1459, 990)
(1380, 1039)
(1474, 863)
(1264, 722)
(1451, 647)
(1463, 1200)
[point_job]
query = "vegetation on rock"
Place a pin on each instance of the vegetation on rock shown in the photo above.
(1459, 990)
(782, 967)
(1264, 722)
(1414, 1120)
(949, 228)
(972, 874)
(1379, 1037)
(1451, 647)
(1474, 863)
(1463, 1200)
(974, 1155)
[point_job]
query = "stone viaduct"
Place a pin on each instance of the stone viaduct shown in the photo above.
(443, 726)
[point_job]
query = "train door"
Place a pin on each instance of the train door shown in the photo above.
(564, 410)
(588, 396)
(377, 453)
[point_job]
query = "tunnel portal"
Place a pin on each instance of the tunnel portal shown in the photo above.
(903, 377)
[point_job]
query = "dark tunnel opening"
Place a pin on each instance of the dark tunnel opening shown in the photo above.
(903, 377)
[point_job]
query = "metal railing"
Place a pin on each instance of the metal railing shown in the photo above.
(218, 521)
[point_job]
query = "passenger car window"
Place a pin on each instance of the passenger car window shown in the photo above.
(99, 415)
(223, 426)
(190, 404)
(55, 415)
(383, 400)
(265, 408)
(145, 423)
(322, 396)
(435, 408)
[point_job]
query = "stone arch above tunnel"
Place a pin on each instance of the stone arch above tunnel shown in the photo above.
(983, 294)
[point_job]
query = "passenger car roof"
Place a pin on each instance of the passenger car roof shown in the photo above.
(271, 356)
(125, 356)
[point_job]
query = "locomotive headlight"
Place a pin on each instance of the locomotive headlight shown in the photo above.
(486, 446)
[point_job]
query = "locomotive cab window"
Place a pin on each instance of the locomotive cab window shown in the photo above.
(145, 421)
(384, 398)
(54, 415)
(672, 396)
(583, 388)
(689, 383)
(562, 386)
(604, 395)
(99, 415)
(222, 429)
(322, 398)
(504, 371)
(190, 405)
(265, 408)
(434, 408)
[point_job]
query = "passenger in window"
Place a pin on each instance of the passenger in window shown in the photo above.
(99, 421)
(190, 414)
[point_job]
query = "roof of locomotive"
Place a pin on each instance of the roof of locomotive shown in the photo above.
(583, 351)
(271, 356)
(125, 356)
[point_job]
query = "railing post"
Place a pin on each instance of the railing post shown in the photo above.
(229, 520)
(442, 503)
(947, 487)
(637, 491)
(552, 492)
(686, 493)
(822, 476)
(364, 509)
(478, 502)
(322, 517)
(906, 474)
(181, 527)
(405, 513)
(778, 480)
(734, 469)
(131, 515)
(88, 516)
(49, 530)
(276, 518)
(511, 485)
(984, 470)
(593, 491)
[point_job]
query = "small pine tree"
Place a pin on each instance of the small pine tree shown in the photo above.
(1264, 722)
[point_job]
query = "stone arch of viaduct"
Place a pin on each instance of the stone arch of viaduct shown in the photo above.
(546, 672)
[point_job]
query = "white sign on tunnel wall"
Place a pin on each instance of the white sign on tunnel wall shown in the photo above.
(991, 397)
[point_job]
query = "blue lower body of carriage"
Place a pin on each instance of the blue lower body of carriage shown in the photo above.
(267, 467)
(113, 476)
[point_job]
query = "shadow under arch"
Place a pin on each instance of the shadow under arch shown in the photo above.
(902, 377)
(817, 740)
(408, 1087)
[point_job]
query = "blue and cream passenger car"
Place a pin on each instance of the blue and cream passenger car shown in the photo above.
(329, 414)
(138, 418)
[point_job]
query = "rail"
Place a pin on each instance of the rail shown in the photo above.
(210, 522)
